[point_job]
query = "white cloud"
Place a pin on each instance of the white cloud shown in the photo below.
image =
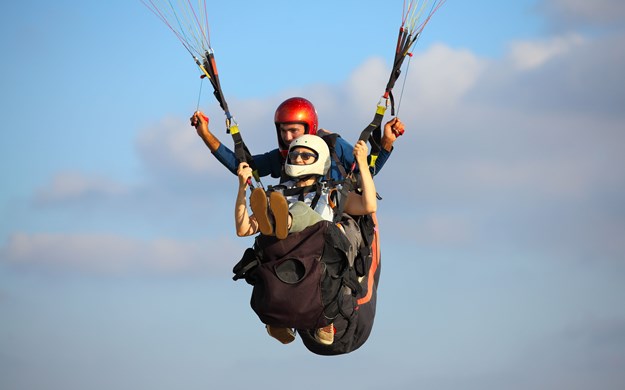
(529, 54)
(525, 152)
(512, 140)
(574, 14)
(430, 83)
(485, 118)
(437, 80)
(73, 186)
(366, 85)
(172, 146)
(110, 254)
(437, 229)
(556, 178)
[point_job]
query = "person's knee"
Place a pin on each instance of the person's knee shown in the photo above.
(302, 216)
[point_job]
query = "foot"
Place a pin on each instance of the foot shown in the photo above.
(283, 335)
(280, 211)
(325, 335)
(258, 204)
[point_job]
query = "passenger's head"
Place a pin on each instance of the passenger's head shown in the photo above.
(294, 117)
(307, 155)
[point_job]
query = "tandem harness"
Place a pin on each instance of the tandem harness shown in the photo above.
(314, 277)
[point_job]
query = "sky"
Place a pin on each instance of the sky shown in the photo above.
(502, 220)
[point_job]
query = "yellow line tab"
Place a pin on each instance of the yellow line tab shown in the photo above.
(204, 70)
(373, 157)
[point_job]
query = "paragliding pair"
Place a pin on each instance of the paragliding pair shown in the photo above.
(316, 263)
(314, 266)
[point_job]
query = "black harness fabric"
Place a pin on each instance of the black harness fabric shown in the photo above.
(306, 282)
(299, 281)
(353, 331)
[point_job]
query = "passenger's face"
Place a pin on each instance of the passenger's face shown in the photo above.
(291, 131)
(302, 156)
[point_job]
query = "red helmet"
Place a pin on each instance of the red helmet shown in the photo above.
(295, 110)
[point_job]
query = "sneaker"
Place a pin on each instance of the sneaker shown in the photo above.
(325, 335)
(280, 211)
(283, 335)
(258, 204)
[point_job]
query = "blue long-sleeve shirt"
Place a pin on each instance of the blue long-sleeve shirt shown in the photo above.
(271, 163)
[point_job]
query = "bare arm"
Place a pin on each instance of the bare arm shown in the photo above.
(366, 203)
(245, 224)
(200, 122)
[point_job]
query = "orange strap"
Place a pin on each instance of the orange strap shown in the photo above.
(375, 262)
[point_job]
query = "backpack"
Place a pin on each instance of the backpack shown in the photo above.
(304, 281)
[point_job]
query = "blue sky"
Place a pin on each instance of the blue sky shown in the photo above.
(502, 216)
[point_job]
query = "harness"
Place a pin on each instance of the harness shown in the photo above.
(337, 188)
(332, 189)
(317, 276)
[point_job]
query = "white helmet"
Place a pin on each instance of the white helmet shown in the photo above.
(317, 145)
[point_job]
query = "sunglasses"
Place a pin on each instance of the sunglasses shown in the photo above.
(305, 156)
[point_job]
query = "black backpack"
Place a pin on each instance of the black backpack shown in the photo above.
(304, 281)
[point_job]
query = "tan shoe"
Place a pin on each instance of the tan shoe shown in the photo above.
(258, 204)
(280, 211)
(325, 335)
(283, 335)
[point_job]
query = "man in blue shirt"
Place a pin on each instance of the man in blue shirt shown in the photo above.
(293, 118)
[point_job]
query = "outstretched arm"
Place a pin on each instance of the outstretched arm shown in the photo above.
(367, 202)
(269, 163)
(245, 224)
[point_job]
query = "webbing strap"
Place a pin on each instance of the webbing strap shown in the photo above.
(348, 185)
(347, 182)
(292, 191)
(209, 68)
(373, 133)
(316, 198)
(241, 152)
(331, 142)
(300, 192)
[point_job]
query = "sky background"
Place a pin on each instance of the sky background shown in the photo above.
(502, 219)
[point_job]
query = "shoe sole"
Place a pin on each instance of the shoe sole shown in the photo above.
(324, 337)
(283, 335)
(280, 211)
(258, 203)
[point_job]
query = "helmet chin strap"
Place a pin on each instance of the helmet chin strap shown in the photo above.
(307, 177)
